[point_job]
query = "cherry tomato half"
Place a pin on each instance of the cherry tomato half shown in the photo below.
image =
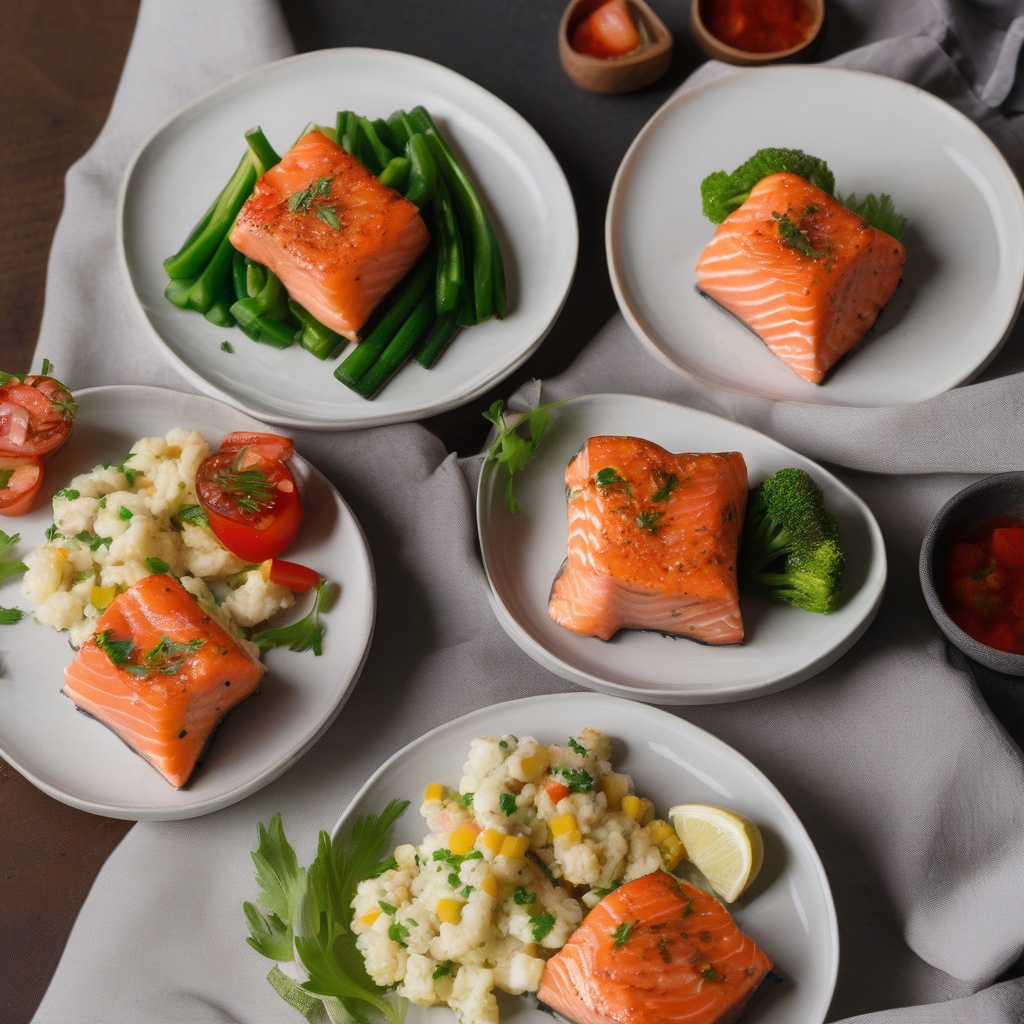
(36, 416)
(250, 498)
(20, 480)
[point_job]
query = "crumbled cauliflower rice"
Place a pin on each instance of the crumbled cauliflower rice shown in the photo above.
(118, 523)
(534, 836)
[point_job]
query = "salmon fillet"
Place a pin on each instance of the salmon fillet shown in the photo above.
(655, 951)
(162, 674)
(652, 541)
(810, 310)
(339, 268)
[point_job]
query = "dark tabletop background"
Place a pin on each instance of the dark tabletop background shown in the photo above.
(59, 67)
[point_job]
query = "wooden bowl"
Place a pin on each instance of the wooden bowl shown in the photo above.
(718, 49)
(635, 70)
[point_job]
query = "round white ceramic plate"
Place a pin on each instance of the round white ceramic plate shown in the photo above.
(522, 554)
(962, 285)
(183, 165)
(79, 761)
(788, 911)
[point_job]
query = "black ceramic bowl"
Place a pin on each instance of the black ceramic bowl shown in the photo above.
(998, 495)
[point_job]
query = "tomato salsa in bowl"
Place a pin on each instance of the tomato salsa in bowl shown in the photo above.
(972, 571)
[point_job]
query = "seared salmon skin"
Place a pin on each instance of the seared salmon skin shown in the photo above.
(652, 541)
(807, 275)
(337, 238)
(655, 951)
(162, 674)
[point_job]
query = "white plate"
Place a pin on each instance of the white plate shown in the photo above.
(76, 759)
(522, 554)
(788, 911)
(962, 284)
(187, 160)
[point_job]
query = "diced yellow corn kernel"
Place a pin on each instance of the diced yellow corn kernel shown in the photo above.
(562, 824)
(489, 885)
(370, 916)
(572, 837)
(660, 830)
(100, 597)
(633, 806)
(462, 838)
(434, 791)
(647, 813)
(533, 765)
(671, 851)
(515, 846)
(615, 786)
(449, 910)
(491, 839)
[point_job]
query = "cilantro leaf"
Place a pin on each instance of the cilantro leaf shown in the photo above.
(10, 566)
(878, 211)
(306, 634)
(509, 448)
(282, 884)
(9, 616)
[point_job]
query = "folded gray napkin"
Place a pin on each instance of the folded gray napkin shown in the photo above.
(909, 788)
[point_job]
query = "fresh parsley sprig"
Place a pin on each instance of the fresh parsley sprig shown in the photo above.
(322, 894)
(304, 635)
(10, 566)
(509, 448)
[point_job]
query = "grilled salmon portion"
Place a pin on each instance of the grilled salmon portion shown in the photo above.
(652, 541)
(162, 674)
(807, 275)
(655, 951)
(337, 238)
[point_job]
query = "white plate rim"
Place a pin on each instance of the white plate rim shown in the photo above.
(662, 348)
(172, 808)
(542, 709)
(489, 502)
(561, 206)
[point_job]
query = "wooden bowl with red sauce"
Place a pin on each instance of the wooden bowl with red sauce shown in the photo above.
(752, 32)
(972, 571)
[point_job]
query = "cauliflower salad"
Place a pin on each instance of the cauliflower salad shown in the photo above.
(121, 522)
(532, 838)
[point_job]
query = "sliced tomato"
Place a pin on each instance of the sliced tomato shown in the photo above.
(271, 446)
(36, 416)
(608, 31)
(250, 498)
(20, 480)
(299, 579)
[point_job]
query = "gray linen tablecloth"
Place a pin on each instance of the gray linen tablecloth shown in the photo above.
(910, 789)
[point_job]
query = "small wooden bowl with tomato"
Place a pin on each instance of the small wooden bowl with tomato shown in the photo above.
(613, 46)
(972, 571)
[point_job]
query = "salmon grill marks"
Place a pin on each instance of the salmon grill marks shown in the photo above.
(162, 674)
(337, 238)
(807, 275)
(652, 541)
(655, 951)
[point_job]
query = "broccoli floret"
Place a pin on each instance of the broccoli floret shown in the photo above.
(721, 193)
(790, 549)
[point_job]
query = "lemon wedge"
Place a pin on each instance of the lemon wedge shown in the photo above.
(724, 846)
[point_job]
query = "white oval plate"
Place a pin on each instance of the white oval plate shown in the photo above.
(788, 911)
(79, 761)
(962, 285)
(182, 166)
(522, 554)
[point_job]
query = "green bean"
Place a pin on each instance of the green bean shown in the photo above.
(177, 290)
(401, 346)
(315, 337)
(213, 279)
(396, 174)
(366, 353)
(262, 151)
(239, 275)
(203, 245)
(437, 340)
(450, 275)
(422, 171)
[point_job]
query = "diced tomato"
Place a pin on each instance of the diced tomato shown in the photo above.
(299, 579)
(964, 558)
(1003, 637)
(250, 496)
(556, 790)
(1008, 545)
(36, 416)
(20, 480)
(608, 31)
